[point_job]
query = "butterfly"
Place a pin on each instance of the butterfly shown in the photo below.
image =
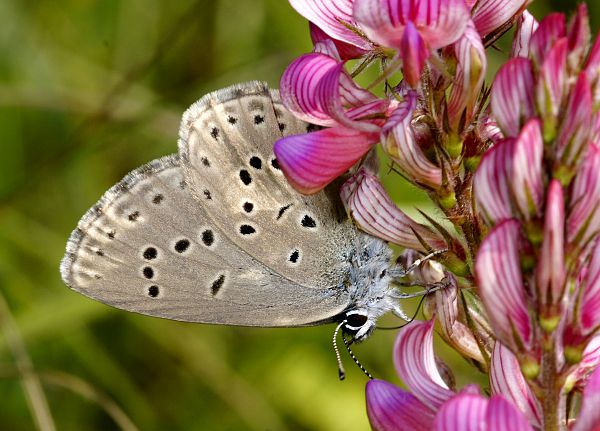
(215, 234)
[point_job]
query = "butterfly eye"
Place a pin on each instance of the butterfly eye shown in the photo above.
(356, 320)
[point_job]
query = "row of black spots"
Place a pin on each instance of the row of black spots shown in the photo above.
(232, 120)
(153, 291)
(207, 194)
(182, 245)
(275, 164)
(157, 199)
(308, 222)
(133, 216)
(245, 177)
(217, 284)
(248, 207)
(294, 256)
(204, 160)
(259, 119)
(255, 162)
(148, 272)
(247, 229)
(208, 237)
(282, 210)
(214, 132)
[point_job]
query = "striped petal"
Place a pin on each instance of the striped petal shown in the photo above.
(550, 270)
(590, 304)
(551, 28)
(583, 221)
(579, 34)
(312, 160)
(490, 15)
(526, 26)
(504, 416)
(440, 22)
(551, 86)
(398, 140)
(592, 70)
(414, 54)
(500, 285)
(470, 73)
(416, 365)
(370, 206)
(343, 50)
(465, 412)
(589, 415)
(513, 96)
(333, 17)
(390, 408)
(507, 380)
(526, 178)
(492, 192)
(317, 89)
(575, 129)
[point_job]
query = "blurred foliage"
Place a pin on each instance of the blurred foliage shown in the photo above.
(88, 91)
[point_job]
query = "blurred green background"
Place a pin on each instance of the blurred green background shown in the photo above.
(88, 91)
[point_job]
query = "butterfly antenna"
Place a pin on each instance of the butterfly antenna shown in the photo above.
(341, 371)
(354, 358)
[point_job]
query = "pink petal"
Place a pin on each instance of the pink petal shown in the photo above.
(526, 178)
(491, 183)
(590, 304)
(551, 28)
(330, 16)
(507, 380)
(416, 365)
(589, 415)
(317, 89)
(592, 70)
(489, 15)
(503, 416)
(579, 34)
(588, 364)
(390, 408)
(500, 284)
(375, 213)
(584, 214)
(526, 26)
(414, 54)
(440, 22)
(456, 333)
(470, 73)
(551, 86)
(512, 96)
(398, 140)
(464, 412)
(575, 130)
(550, 270)
(312, 160)
(343, 50)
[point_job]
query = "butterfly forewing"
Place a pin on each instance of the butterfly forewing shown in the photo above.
(148, 246)
(226, 144)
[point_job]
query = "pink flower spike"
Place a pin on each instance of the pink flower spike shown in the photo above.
(526, 179)
(471, 68)
(343, 50)
(575, 129)
(372, 209)
(551, 28)
(312, 160)
(589, 415)
(551, 86)
(550, 270)
(503, 416)
(526, 27)
(331, 16)
(392, 409)
(489, 15)
(416, 365)
(583, 221)
(464, 412)
(439, 22)
(414, 54)
(398, 140)
(500, 283)
(590, 303)
(507, 380)
(513, 96)
(491, 183)
(579, 34)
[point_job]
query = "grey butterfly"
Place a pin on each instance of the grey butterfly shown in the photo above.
(216, 235)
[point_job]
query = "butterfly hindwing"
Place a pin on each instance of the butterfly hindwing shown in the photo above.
(149, 246)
